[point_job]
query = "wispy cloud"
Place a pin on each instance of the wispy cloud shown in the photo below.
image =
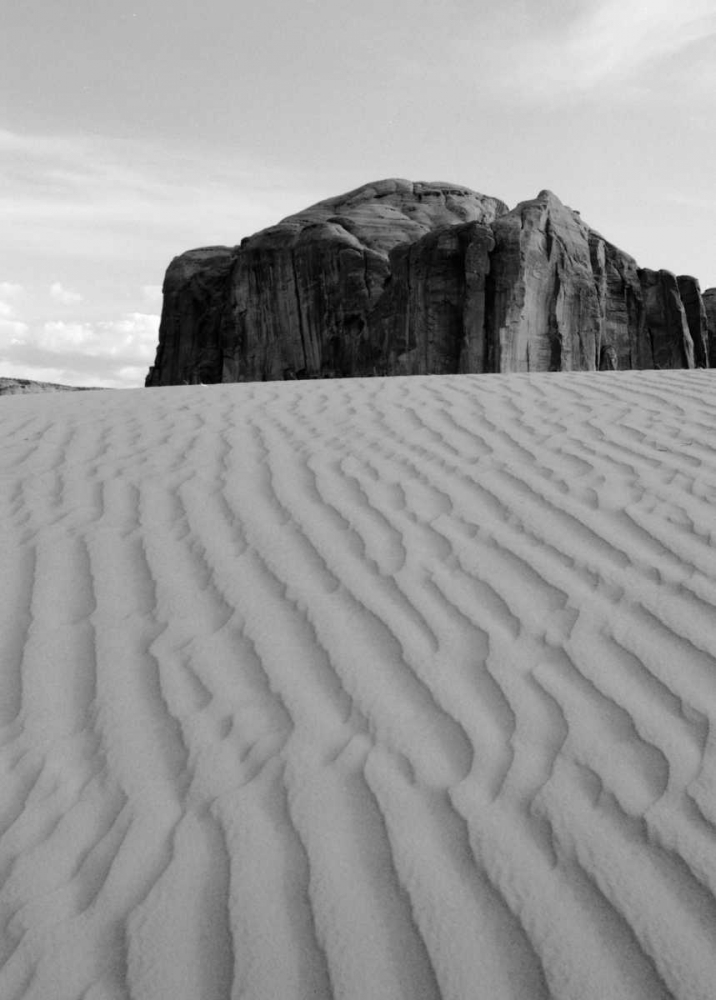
(598, 45)
(615, 40)
(96, 196)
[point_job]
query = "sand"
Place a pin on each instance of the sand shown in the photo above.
(382, 689)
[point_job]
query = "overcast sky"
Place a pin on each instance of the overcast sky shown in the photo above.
(129, 134)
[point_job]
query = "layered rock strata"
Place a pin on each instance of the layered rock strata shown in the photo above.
(399, 277)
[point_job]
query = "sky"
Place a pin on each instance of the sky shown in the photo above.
(130, 133)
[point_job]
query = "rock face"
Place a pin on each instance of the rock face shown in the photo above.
(399, 277)
(294, 299)
(430, 318)
(709, 301)
(545, 315)
(666, 322)
(622, 341)
(196, 291)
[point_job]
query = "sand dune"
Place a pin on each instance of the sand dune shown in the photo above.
(387, 689)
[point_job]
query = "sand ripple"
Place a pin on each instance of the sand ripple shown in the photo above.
(400, 689)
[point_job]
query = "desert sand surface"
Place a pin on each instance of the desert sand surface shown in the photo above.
(382, 689)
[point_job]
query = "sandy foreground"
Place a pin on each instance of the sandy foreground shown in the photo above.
(383, 689)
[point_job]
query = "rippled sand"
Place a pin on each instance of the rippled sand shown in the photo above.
(382, 689)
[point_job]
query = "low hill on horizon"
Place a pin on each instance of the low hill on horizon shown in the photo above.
(23, 386)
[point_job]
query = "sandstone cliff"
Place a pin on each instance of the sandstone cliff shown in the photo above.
(294, 299)
(399, 277)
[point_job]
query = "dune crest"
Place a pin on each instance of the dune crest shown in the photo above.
(391, 688)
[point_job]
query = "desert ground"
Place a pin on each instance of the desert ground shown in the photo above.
(360, 689)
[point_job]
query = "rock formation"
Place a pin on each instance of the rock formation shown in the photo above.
(294, 299)
(399, 277)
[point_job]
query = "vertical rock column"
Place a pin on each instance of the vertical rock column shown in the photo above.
(666, 324)
(709, 300)
(690, 292)
(622, 341)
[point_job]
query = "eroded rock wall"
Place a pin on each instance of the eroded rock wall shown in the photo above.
(621, 342)
(667, 328)
(398, 277)
(196, 297)
(696, 319)
(709, 300)
(430, 318)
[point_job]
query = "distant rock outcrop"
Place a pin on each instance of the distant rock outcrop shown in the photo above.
(399, 277)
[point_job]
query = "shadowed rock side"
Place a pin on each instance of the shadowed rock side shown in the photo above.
(430, 318)
(293, 300)
(402, 277)
(709, 300)
(691, 298)
(666, 322)
(195, 300)
(621, 340)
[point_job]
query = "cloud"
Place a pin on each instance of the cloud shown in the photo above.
(594, 45)
(115, 212)
(133, 337)
(96, 197)
(12, 331)
(63, 295)
(114, 353)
